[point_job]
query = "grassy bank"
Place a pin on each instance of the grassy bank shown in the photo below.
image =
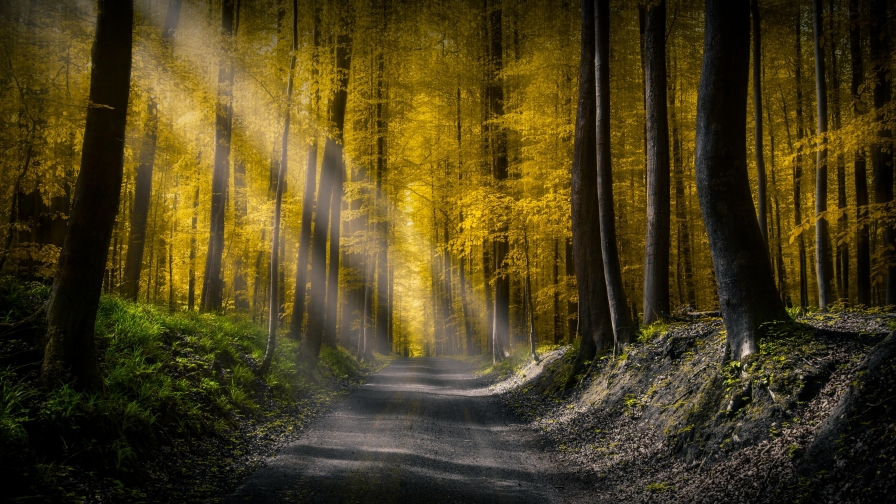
(183, 413)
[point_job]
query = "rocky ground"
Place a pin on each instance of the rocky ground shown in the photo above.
(672, 421)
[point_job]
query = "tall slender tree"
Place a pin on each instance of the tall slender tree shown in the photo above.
(213, 283)
(656, 252)
(882, 156)
(822, 233)
(498, 143)
(623, 328)
(330, 177)
(274, 297)
(746, 285)
(863, 242)
(298, 300)
(798, 162)
(70, 352)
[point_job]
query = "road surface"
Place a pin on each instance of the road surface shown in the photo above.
(421, 430)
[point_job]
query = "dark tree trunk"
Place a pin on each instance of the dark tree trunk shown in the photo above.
(382, 263)
(798, 165)
(822, 234)
(557, 326)
(498, 141)
(191, 286)
(747, 294)
(881, 156)
(489, 295)
(595, 325)
(274, 299)
(142, 194)
(330, 188)
(656, 253)
(298, 300)
(842, 249)
(757, 120)
(213, 284)
(71, 310)
(623, 329)
(572, 308)
(241, 212)
(863, 242)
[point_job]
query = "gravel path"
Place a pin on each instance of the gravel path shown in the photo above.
(421, 430)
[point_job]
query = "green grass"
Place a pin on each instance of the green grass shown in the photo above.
(168, 379)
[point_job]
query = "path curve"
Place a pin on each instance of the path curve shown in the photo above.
(421, 430)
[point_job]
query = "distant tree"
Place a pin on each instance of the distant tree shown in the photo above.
(746, 285)
(298, 300)
(330, 187)
(71, 311)
(213, 285)
(274, 297)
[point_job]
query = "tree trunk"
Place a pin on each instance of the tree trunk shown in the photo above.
(863, 246)
(656, 253)
(330, 179)
(842, 249)
(498, 142)
(71, 310)
(213, 285)
(191, 287)
(595, 325)
(382, 262)
(142, 194)
(822, 234)
(757, 120)
(798, 166)
(298, 300)
(241, 212)
(572, 308)
(274, 303)
(881, 156)
(623, 329)
(747, 294)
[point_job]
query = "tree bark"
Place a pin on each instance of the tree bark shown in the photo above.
(757, 120)
(595, 325)
(822, 233)
(656, 253)
(498, 142)
(798, 165)
(863, 242)
(842, 249)
(746, 286)
(213, 284)
(382, 263)
(881, 156)
(71, 310)
(623, 328)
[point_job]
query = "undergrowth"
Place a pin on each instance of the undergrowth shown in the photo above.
(167, 378)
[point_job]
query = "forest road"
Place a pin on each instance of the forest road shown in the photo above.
(421, 430)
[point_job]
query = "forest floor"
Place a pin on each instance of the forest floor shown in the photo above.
(811, 418)
(421, 430)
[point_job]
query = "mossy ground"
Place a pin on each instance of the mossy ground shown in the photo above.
(183, 411)
(672, 419)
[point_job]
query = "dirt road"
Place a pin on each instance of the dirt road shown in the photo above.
(421, 430)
